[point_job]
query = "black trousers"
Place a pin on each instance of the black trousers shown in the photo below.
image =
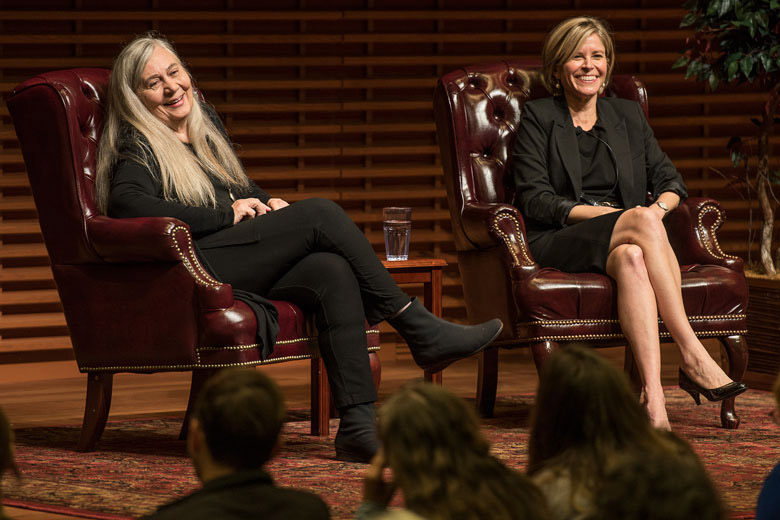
(312, 254)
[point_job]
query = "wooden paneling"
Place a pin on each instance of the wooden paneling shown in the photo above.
(333, 99)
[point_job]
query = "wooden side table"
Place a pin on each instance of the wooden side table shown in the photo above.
(427, 271)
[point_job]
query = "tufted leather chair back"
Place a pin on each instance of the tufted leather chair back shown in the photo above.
(477, 109)
(68, 127)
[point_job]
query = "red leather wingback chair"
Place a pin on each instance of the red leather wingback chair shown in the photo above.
(477, 111)
(135, 297)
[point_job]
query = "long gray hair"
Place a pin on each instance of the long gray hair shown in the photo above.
(182, 174)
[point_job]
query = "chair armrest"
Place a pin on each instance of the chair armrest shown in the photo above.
(477, 220)
(692, 228)
(145, 239)
(157, 239)
(501, 225)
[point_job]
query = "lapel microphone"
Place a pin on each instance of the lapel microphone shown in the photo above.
(579, 131)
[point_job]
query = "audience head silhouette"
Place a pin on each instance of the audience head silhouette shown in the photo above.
(646, 486)
(586, 417)
(236, 422)
(440, 460)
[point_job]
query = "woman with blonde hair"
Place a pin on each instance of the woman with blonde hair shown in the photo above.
(165, 154)
(441, 463)
(582, 166)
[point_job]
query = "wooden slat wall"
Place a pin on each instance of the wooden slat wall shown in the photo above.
(333, 99)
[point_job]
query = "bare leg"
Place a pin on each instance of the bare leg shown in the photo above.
(638, 315)
(642, 227)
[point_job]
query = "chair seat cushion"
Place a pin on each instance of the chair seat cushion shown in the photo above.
(558, 306)
(296, 339)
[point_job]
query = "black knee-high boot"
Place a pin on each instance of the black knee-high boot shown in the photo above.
(356, 440)
(436, 343)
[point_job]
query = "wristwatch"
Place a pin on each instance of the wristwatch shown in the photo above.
(662, 206)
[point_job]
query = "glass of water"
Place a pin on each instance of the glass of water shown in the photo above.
(397, 225)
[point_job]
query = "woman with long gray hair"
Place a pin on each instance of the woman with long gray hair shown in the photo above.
(165, 154)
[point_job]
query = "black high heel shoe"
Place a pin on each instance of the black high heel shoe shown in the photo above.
(712, 394)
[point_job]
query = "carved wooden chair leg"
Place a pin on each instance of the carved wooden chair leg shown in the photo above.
(542, 351)
(320, 398)
(376, 368)
(199, 378)
(487, 381)
(737, 354)
(98, 403)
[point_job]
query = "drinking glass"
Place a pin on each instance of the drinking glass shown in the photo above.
(397, 225)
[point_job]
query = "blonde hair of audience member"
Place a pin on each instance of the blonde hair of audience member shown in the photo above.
(183, 174)
(585, 414)
(431, 440)
(565, 40)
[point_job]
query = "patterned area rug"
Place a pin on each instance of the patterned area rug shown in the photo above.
(141, 465)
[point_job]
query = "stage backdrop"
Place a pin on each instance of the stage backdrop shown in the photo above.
(333, 98)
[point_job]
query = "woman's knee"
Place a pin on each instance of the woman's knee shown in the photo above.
(643, 224)
(325, 209)
(627, 258)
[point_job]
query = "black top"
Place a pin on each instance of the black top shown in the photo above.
(599, 177)
(136, 191)
(244, 495)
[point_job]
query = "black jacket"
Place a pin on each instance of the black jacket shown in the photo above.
(546, 162)
(245, 495)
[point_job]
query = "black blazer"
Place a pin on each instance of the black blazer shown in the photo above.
(546, 161)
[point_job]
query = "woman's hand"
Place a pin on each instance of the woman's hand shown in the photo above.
(376, 489)
(277, 204)
(582, 212)
(248, 208)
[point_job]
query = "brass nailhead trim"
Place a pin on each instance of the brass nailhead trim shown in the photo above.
(719, 253)
(190, 260)
(600, 321)
(202, 365)
(616, 336)
(494, 226)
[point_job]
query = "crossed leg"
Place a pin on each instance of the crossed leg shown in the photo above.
(648, 279)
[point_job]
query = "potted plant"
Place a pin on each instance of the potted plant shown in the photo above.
(738, 41)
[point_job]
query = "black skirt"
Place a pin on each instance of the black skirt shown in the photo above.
(580, 248)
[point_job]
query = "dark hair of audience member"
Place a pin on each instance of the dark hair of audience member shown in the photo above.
(241, 412)
(642, 485)
(441, 462)
(6, 447)
(585, 412)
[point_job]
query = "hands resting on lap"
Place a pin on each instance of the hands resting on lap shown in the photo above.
(250, 208)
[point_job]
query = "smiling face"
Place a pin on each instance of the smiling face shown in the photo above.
(583, 75)
(166, 90)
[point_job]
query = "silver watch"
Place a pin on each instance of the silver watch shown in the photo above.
(662, 206)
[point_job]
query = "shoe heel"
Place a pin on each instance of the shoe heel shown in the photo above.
(695, 396)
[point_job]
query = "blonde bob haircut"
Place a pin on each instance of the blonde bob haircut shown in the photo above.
(563, 42)
(182, 173)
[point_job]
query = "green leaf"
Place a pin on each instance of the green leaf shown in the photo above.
(713, 7)
(713, 82)
(724, 7)
(736, 158)
(746, 66)
(732, 70)
(682, 61)
(688, 19)
(766, 61)
(774, 4)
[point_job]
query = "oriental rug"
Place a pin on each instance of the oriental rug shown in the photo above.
(140, 464)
